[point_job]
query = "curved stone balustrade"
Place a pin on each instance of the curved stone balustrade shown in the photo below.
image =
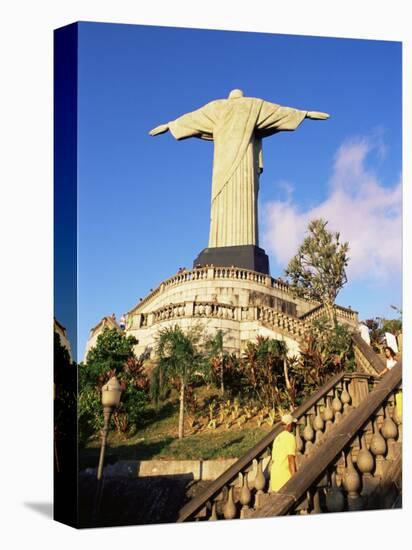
(211, 273)
(358, 464)
(319, 311)
(276, 319)
(243, 487)
(273, 318)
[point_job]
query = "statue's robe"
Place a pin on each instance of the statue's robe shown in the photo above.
(236, 127)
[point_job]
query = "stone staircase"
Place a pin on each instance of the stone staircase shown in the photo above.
(349, 443)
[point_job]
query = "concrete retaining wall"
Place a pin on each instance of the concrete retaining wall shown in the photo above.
(206, 470)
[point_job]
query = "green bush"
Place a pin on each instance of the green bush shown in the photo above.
(113, 355)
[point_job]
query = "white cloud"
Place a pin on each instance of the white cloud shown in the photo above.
(366, 213)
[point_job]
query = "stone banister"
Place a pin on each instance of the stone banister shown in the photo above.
(291, 494)
(210, 273)
(366, 359)
(319, 311)
(190, 510)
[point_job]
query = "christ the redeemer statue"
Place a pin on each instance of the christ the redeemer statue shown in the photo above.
(236, 126)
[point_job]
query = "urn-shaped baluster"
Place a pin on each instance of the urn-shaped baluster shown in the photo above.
(245, 493)
(260, 480)
(378, 443)
(308, 433)
(299, 442)
(389, 429)
(337, 405)
(328, 414)
(345, 397)
(351, 478)
(318, 422)
(365, 461)
(378, 449)
(208, 310)
(229, 509)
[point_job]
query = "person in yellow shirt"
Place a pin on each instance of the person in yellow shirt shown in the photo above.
(283, 455)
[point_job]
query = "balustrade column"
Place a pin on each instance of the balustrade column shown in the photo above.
(389, 431)
(352, 484)
(337, 405)
(259, 484)
(366, 466)
(378, 449)
(318, 424)
(308, 434)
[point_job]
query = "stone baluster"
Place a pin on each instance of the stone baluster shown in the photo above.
(299, 442)
(389, 431)
(328, 414)
(345, 397)
(318, 424)
(259, 483)
(229, 509)
(378, 449)
(308, 434)
(352, 484)
(366, 465)
(245, 497)
(337, 406)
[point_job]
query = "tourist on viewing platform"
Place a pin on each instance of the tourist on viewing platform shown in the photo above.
(390, 360)
(122, 323)
(283, 454)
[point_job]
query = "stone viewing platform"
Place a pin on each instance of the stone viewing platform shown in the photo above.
(241, 302)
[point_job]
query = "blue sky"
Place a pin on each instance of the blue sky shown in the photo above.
(144, 202)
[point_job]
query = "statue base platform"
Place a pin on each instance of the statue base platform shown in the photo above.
(245, 256)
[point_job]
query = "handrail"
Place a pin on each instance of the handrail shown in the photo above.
(371, 357)
(231, 473)
(317, 311)
(281, 502)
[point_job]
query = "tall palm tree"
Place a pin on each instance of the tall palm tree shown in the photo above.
(178, 358)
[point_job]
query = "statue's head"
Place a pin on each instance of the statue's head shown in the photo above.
(234, 94)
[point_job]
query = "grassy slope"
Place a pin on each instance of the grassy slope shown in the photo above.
(157, 438)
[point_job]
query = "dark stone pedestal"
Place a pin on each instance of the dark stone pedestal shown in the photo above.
(246, 256)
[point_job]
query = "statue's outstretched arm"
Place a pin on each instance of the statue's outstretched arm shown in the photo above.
(159, 129)
(316, 115)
